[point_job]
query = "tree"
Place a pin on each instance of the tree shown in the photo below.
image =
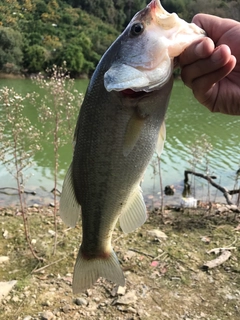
(35, 58)
(10, 49)
(73, 57)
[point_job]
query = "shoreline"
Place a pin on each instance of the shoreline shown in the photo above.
(22, 76)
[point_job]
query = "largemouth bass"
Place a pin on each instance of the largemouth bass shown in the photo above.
(120, 125)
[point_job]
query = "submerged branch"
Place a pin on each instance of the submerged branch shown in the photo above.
(225, 192)
(15, 189)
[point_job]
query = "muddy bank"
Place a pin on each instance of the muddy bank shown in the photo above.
(165, 278)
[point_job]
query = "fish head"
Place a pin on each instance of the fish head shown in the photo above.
(146, 49)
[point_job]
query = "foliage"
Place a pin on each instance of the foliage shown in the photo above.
(35, 58)
(56, 111)
(35, 34)
(41, 33)
(10, 49)
(19, 142)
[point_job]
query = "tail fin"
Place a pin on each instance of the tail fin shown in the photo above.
(87, 271)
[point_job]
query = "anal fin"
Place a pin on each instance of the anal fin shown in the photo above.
(135, 213)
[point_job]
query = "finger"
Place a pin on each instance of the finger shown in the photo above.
(214, 26)
(203, 86)
(203, 67)
(197, 50)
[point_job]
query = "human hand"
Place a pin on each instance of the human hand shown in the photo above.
(211, 66)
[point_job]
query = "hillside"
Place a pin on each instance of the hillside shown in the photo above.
(35, 34)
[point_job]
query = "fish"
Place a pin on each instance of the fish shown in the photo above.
(120, 126)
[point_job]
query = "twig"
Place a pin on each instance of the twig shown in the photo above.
(145, 254)
(225, 192)
(56, 190)
(236, 191)
(160, 255)
(121, 236)
(218, 261)
(219, 250)
(48, 265)
(161, 184)
(15, 189)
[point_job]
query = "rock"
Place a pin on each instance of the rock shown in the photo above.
(129, 298)
(81, 302)
(188, 202)
(169, 190)
(92, 306)
(27, 318)
(51, 232)
(89, 292)
(46, 303)
(155, 233)
(15, 299)
(4, 259)
(222, 210)
(66, 308)
(118, 290)
(5, 234)
(129, 255)
(6, 287)
(47, 315)
(121, 290)
(132, 310)
(234, 208)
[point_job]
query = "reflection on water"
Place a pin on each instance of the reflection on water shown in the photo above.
(186, 122)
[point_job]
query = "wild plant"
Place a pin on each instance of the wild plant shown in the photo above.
(199, 152)
(57, 111)
(237, 185)
(156, 167)
(19, 142)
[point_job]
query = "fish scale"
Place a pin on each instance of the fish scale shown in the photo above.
(120, 125)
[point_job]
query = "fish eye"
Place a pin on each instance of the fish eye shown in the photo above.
(137, 28)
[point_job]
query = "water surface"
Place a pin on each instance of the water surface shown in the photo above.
(186, 121)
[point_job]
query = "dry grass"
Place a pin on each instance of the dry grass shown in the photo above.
(174, 288)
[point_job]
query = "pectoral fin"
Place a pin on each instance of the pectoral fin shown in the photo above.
(133, 131)
(161, 139)
(134, 214)
(69, 208)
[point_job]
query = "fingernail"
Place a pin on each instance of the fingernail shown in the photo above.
(199, 50)
(217, 55)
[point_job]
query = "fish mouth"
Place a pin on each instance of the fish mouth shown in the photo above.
(133, 94)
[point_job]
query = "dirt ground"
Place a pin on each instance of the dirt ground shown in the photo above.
(165, 274)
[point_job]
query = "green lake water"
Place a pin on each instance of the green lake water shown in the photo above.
(186, 121)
